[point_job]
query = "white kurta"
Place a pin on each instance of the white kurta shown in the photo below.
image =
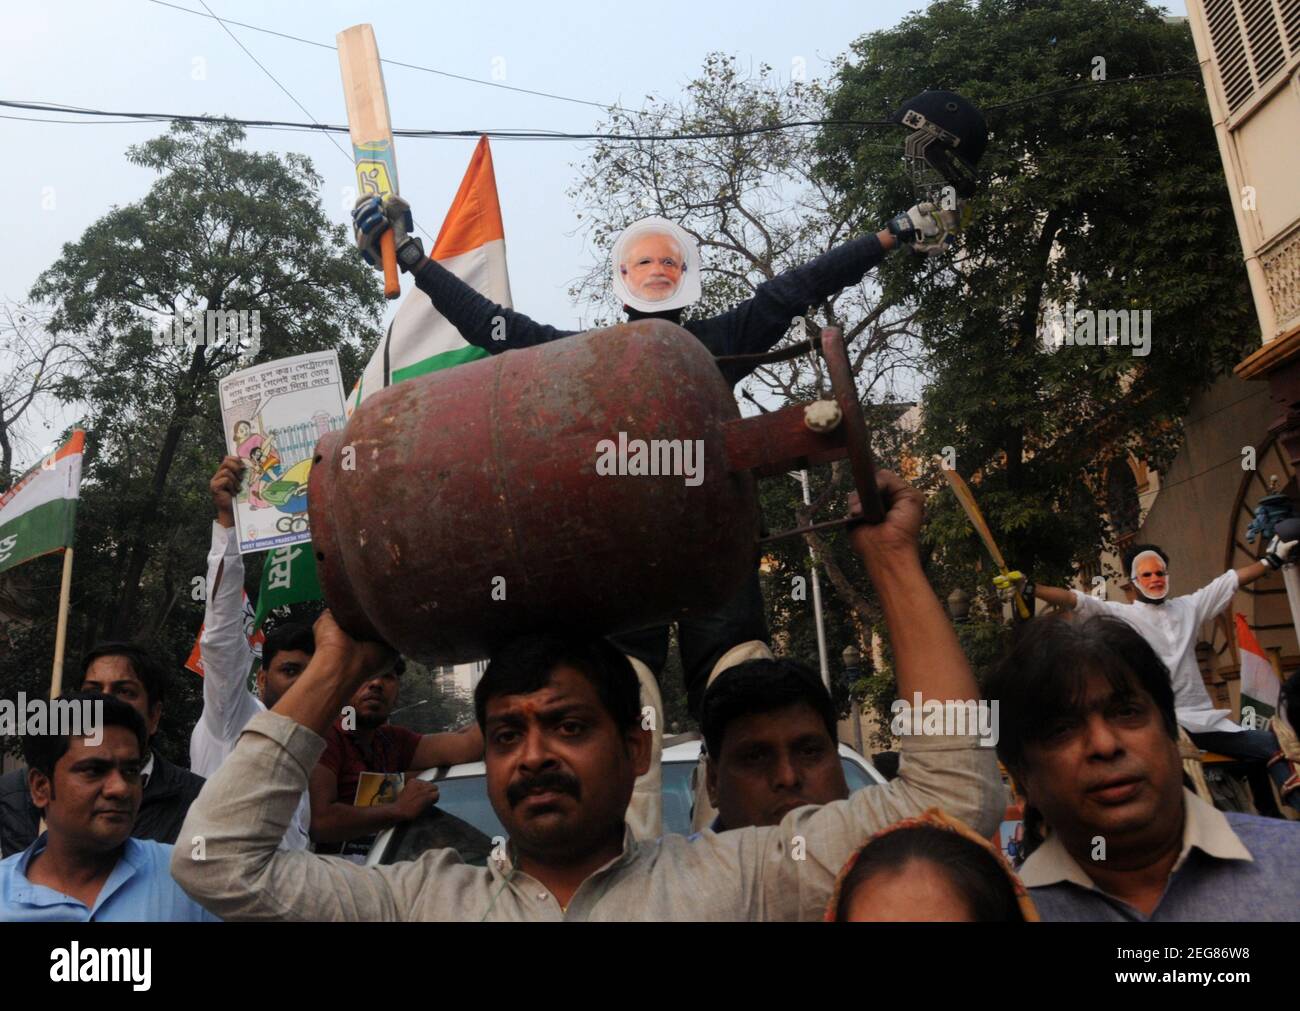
(228, 705)
(1172, 629)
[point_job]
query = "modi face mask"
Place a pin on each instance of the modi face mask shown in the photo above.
(1150, 575)
(656, 266)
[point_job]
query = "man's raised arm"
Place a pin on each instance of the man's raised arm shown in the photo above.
(1277, 554)
(482, 322)
(951, 765)
(227, 660)
(956, 768)
(758, 324)
(227, 856)
(1056, 596)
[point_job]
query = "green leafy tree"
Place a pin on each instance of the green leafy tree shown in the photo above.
(222, 227)
(1105, 194)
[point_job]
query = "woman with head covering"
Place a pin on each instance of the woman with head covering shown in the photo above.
(929, 868)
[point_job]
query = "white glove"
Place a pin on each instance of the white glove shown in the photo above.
(1278, 552)
(927, 228)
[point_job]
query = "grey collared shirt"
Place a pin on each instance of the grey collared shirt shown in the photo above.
(1235, 867)
(782, 872)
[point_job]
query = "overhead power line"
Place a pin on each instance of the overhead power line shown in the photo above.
(273, 78)
(396, 63)
(503, 134)
(1193, 69)
(560, 135)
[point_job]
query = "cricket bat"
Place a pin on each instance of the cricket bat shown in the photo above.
(962, 490)
(371, 131)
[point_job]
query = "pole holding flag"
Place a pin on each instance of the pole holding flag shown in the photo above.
(61, 630)
(37, 517)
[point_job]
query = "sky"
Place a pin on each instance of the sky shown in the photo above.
(141, 55)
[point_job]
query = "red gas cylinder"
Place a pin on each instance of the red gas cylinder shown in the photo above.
(585, 482)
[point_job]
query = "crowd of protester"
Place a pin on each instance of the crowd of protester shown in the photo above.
(266, 824)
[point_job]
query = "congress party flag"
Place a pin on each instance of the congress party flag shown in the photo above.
(37, 513)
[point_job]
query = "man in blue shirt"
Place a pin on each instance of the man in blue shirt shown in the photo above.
(86, 866)
(1089, 732)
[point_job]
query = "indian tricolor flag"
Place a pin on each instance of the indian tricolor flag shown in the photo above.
(37, 513)
(1259, 683)
(472, 245)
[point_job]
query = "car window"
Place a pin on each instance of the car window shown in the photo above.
(855, 775)
(678, 797)
(463, 818)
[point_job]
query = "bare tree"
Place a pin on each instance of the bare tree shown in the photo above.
(756, 206)
(32, 363)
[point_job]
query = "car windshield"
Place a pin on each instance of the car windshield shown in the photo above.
(463, 818)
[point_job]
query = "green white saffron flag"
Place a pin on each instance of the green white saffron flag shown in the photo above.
(420, 340)
(37, 514)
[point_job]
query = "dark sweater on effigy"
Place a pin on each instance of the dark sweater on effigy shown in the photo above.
(752, 327)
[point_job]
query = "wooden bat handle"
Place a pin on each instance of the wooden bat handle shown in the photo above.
(857, 438)
(392, 287)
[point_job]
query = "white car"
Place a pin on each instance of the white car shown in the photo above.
(463, 818)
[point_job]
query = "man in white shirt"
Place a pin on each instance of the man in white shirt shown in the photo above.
(565, 744)
(1171, 626)
(228, 705)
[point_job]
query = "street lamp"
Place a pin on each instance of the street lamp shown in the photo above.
(802, 478)
(852, 657)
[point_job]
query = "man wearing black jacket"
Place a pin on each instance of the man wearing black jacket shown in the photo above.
(127, 672)
(752, 327)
